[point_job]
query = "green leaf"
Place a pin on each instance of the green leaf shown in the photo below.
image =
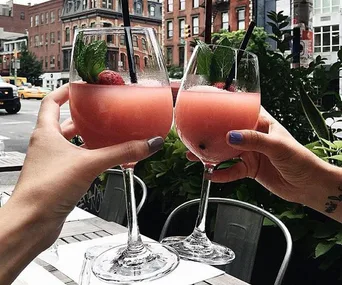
(313, 115)
(283, 25)
(204, 59)
(292, 215)
(322, 248)
(336, 157)
(328, 143)
(339, 54)
(222, 62)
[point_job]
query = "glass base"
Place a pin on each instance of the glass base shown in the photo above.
(119, 265)
(201, 249)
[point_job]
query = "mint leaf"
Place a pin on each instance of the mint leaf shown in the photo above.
(90, 60)
(204, 59)
(222, 62)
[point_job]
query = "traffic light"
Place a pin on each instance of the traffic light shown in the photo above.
(187, 32)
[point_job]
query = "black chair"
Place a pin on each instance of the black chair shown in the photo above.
(113, 206)
(238, 225)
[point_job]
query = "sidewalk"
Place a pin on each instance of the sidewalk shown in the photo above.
(8, 180)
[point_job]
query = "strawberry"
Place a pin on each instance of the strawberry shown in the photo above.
(221, 85)
(109, 77)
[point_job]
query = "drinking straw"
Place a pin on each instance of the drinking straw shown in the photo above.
(241, 50)
(208, 15)
(129, 43)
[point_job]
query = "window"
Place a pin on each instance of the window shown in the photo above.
(135, 41)
(46, 62)
(77, 5)
(108, 4)
(59, 15)
(73, 31)
(169, 27)
(181, 56)
(241, 19)
(225, 20)
(137, 7)
(145, 61)
(152, 10)
(36, 20)
(110, 38)
(92, 25)
(326, 6)
(181, 28)
(92, 3)
(84, 26)
(143, 43)
(46, 18)
(85, 4)
(169, 5)
(59, 36)
(122, 40)
(52, 38)
(31, 21)
(36, 40)
(195, 25)
(137, 61)
(123, 60)
(326, 38)
(22, 15)
(195, 3)
(168, 55)
(52, 17)
(67, 34)
(181, 4)
(41, 40)
(31, 41)
(59, 61)
(52, 61)
(66, 59)
(46, 39)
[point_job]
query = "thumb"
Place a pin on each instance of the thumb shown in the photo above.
(131, 151)
(249, 140)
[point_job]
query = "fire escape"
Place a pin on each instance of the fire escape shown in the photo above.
(218, 6)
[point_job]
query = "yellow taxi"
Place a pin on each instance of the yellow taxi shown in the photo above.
(33, 92)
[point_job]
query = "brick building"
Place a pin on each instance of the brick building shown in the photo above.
(107, 13)
(44, 34)
(10, 44)
(226, 14)
(14, 18)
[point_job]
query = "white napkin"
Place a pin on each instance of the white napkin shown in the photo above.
(71, 258)
(34, 274)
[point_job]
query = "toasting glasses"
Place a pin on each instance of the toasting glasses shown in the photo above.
(110, 104)
(220, 92)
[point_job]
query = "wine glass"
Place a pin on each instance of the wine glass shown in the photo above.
(219, 92)
(119, 92)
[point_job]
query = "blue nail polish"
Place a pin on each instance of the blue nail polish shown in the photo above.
(235, 137)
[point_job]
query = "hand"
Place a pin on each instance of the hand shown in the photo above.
(277, 161)
(57, 173)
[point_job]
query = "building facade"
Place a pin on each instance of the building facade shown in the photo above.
(10, 46)
(45, 39)
(226, 15)
(106, 13)
(14, 18)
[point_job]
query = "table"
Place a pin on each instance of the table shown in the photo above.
(81, 230)
(12, 161)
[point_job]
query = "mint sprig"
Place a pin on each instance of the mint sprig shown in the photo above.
(214, 64)
(90, 60)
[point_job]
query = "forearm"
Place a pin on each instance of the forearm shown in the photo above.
(327, 196)
(22, 237)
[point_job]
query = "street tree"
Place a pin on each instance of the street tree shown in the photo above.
(30, 66)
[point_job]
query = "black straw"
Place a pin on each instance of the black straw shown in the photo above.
(208, 15)
(242, 48)
(129, 42)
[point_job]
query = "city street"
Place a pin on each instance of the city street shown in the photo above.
(16, 130)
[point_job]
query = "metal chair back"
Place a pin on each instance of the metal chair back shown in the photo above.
(113, 206)
(238, 225)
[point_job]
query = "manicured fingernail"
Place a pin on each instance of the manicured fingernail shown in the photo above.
(235, 137)
(155, 144)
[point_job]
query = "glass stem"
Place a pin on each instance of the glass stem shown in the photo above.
(203, 206)
(134, 238)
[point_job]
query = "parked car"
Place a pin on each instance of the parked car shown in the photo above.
(33, 92)
(9, 99)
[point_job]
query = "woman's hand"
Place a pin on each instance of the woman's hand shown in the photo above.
(57, 173)
(275, 159)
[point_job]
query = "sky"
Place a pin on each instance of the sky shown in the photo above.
(24, 2)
